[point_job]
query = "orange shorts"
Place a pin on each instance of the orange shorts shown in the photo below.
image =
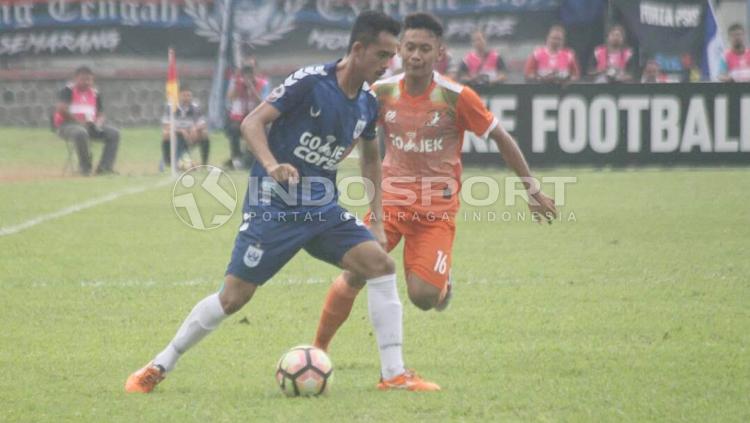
(428, 242)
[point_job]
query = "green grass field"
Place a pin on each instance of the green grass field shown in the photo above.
(633, 307)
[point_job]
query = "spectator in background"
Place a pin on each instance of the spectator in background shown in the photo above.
(735, 65)
(246, 91)
(444, 64)
(190, 129)
(652, 73)
(552, 62)
(481, 66)
(613, 61)
(79, 117)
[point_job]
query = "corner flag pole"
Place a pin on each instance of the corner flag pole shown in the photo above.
(173, 93)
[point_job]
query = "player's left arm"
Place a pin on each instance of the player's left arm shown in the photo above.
(472, 115)
(539, 202)
(370, 164)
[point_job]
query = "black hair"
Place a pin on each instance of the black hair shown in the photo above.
(83, 70)
(735, 26)
(369, 25)
(424, 21)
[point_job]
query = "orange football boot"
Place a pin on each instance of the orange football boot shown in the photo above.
(408, 381)
(145, 380)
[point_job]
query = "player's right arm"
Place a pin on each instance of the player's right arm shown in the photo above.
(254, 132)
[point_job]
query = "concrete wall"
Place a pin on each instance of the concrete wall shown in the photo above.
(127, 102)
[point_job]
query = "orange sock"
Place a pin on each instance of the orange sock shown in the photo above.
(338, 305)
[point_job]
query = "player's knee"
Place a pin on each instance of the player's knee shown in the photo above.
(354, 281)
(235, 294)
(380, 265)
(422, 303)
(422, 294)
(233, 302)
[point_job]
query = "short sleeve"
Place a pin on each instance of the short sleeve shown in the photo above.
(369, 132)
(294, 90)
(472, 115)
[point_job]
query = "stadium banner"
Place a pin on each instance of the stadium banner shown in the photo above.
(672, 32)
(620, 125)
(195, 27)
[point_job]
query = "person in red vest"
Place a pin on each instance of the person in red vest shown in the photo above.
(79, 117)
(735, 65)
(246, 91)
(552, 62)
(481, 66)
(613, 61)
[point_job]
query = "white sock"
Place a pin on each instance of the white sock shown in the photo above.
(205, 317)
(386, 315)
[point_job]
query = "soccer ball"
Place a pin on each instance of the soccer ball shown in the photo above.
(304, 371)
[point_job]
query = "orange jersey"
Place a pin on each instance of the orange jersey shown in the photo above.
(423, 139)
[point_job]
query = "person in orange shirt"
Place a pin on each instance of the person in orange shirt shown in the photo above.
(424, 116)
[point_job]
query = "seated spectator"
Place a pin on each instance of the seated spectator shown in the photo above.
(246, 91)
(190, 129)
(79, 117)
(613, 61)
(444, 64)
(552, 62)
(481, 66)
(652, 73)
(735, 65)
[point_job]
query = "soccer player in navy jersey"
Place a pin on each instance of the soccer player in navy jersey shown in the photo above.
(316, 118)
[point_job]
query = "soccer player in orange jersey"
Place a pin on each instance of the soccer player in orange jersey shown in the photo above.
(424, 116)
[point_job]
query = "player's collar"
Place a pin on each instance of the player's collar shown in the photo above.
(425, 94)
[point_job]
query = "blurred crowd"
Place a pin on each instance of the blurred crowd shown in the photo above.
(613, 61)
(79, 114)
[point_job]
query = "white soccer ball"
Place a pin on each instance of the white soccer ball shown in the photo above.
(304, 371)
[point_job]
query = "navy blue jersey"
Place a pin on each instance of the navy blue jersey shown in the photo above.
(317, 128)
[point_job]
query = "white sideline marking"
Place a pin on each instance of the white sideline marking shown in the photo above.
(10, 230)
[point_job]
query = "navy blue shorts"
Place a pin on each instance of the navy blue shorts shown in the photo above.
(266, 242)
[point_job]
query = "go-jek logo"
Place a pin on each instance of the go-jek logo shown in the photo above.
(424, 145)
(204, 197)
(318, 151)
